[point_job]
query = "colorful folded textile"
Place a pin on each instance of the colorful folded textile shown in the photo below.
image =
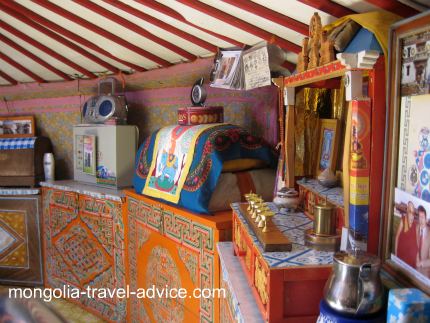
(182, 164)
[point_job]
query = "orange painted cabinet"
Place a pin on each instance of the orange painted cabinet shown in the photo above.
(170, 248)
(84, 248)
(287, 286)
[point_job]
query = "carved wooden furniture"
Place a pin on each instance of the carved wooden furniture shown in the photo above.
(362, 194)
(314, 193)
(239, 304)
(21, 160)
(20, 230)
(170, 246)
(286, 285)
(83, 229)
(303, 57)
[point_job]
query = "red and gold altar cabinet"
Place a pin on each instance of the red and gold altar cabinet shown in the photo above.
(169, 246)
(287, 285)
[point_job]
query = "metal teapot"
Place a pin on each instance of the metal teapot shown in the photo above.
(354, 286)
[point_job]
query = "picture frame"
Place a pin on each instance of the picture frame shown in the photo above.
(17, 126)
(328, 145)
(407, 147)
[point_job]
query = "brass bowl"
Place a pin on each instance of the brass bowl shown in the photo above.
(322, 243)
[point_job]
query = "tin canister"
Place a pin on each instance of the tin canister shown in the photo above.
(325, 219)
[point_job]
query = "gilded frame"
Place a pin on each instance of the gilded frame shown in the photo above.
(328, 141)
(401, 31)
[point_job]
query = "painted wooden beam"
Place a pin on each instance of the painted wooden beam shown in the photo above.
(395, 7)
(271, 15)
(45, 49)
(8, 78)
(241, 24)
(21, 68)
(290, 66)
(102, 32)
(36, 20)
(161, 24)
(330, 7)
(35, 58)
(176, 15)
(137, 29)
(29, 18)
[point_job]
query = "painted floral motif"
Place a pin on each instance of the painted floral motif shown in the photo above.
(219, 140)
(143, 165)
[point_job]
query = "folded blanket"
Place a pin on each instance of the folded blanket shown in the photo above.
(182, 164)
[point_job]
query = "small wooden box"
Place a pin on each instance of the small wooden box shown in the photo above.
(22, 166)
(288, 286)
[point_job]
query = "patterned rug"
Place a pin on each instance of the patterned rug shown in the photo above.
(68, 310)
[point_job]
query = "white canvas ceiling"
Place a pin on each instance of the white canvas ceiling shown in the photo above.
(55, 40)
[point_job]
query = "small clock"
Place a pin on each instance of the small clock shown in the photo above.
(198, 93)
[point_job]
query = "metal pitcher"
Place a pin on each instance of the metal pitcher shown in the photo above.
(354, 286)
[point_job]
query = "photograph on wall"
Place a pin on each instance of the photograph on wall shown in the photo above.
(16, 127)
(90, 155)
(415, 78)
(414, 146)
(411, 235)
(225, 68)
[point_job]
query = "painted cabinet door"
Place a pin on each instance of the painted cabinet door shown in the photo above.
(84, 248)
(20, 244)
(167, 248)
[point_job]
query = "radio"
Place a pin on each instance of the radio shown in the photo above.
(107, 107)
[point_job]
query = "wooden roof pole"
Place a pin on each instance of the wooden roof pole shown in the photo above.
(395, 7)
(176, 15)
(330, 7)
(8, 78)
(38, 60)
(100, 31)
(45, 49)
(21, 68)
(161, 24)
(245, 26)
(137, 29)
(32, 23)
(271, 15)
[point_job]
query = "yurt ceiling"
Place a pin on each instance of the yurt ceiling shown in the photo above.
(58, 40)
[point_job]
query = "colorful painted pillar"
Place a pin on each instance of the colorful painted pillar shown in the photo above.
(357, 162)
(359, 172)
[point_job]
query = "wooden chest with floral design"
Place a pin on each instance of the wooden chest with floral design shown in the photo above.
(168, 247)
(83, 233)
(287, 286)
